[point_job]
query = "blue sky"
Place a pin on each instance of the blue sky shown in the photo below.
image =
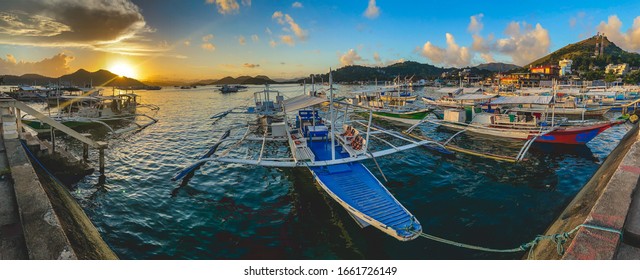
(175, 39)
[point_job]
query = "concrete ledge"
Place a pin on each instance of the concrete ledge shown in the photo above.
(43, 234)
(579, 210)
(632, 224)
(610, 211)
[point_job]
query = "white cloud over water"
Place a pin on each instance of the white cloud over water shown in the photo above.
(522, 42)
(55, 66)
(95, 24)
(290, 26)
(452, 55)
(350, 58)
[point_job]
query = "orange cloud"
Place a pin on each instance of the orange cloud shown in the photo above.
(55, 66)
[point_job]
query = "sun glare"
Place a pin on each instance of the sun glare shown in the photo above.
(123, 69)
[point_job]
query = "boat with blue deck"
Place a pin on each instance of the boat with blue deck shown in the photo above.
(352, 185)
(332, 152)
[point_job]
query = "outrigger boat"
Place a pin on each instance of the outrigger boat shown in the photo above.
(398, 110)
(536, 126)
(84, 111)
(329, 150)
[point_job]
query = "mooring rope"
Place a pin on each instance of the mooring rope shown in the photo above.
(32, 156)
(559, 239)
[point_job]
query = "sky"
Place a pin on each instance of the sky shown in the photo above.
(211, 39)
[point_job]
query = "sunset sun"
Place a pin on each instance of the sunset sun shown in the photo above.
(123, 69)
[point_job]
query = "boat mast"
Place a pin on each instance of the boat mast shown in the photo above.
(553, 109)
(333, 148)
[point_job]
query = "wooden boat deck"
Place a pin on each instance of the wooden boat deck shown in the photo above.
(362, 195)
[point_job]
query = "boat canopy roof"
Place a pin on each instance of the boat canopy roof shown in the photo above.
(522, 100)
(475, 96)
(571, 91)
(599, 93)
(471, 90)
(369, 90)
(534, 90)
(26, 88)
(302, 101)
(449, 90)
(77, 97)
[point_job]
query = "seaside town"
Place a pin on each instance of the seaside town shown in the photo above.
(486, 148)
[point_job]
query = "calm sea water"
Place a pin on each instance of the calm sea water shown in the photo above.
(247, 212)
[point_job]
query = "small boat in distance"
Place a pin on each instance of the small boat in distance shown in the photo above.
(228, 89)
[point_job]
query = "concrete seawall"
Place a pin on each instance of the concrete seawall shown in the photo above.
(43, 234)
(39, 218)
(604, 204)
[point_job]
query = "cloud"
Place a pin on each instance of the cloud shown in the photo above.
(525, 43)
(208, 47)
(293, 26)
(574, 20)
(20, 24)
(629, 40)
(93, 24)
(372, 10)
(453, 55)
(242, 40)
(287, 39)
(249, 65)
(350, 58)
(487, 57)
(255, 38)
(207, 38)
(272, 43)
(187, 43)
(228, 7)
(277, 15)
(55, 66)
(475, 24)
(296, 5)
(376, 57)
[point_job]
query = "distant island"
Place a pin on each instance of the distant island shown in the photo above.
(82, 78)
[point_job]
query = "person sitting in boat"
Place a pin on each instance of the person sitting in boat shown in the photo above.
(356, 144)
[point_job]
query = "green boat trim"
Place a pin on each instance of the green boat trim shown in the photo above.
(416, 115)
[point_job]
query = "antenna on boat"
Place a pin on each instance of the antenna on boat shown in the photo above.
(333, 148)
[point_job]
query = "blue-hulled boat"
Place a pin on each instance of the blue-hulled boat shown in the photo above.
(336, 167)
(354, 187)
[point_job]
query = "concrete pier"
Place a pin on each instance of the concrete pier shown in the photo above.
(610, 203)
(39, 220)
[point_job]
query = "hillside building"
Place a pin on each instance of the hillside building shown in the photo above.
(565, 67)
(617, 69)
